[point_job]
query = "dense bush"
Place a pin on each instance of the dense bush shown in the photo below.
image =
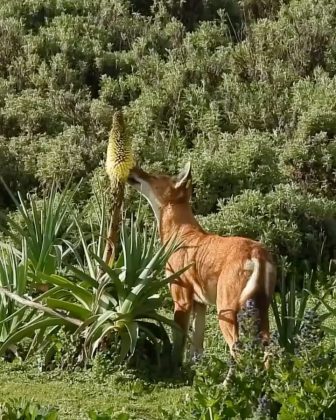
(245, 89)
(289, 220)
(299, 385)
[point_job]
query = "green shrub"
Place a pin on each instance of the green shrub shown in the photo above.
(62, 157)
(310, 162)
(11, 36)
(226, 165)
(30, 114)
(300, 385)
(7, 169)
(21, 409)
(244, 89)
(287, 219)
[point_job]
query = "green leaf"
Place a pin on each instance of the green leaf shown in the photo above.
(29, 329)
(125, 345)
(133, 331)
(84, 296)
(73, 309)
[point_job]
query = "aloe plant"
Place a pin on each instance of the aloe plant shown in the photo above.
(289, 308)
(13, 277)
(136, 281)
(42, 229)
(125, 302)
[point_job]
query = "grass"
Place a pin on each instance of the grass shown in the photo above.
(75, 393)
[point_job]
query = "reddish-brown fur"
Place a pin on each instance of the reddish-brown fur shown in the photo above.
(218, 274)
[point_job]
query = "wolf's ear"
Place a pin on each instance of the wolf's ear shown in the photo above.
(184, 177)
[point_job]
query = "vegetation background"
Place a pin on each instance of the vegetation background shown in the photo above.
(245, 90)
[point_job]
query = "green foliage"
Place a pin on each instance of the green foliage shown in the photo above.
(287, 219)
(13, 277)
(42, 230)
(308, 370)
(21, 409)
(108, 416)
(232, 164)
(8, 168)
(78, 394)
(245, 89)
(298, 385)
(288, 309)
(90, 306)
(331, 311)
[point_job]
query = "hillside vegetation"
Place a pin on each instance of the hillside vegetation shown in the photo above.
(244, 89)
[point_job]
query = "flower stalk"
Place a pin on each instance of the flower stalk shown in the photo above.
(119, 162)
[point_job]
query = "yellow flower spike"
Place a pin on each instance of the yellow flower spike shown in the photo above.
(119, 162)
(119, 158)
